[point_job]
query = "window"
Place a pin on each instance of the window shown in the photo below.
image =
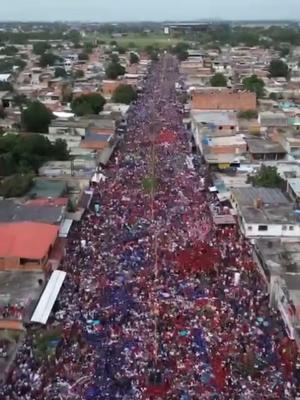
(284, 228)
(232, 128)
(249, 228)
(262, 227)
(220, 128)
(291, 228)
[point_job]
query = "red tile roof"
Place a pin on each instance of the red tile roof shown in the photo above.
(26, 239)
(45, 201)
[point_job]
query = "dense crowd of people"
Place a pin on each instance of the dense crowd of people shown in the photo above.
(159, 303)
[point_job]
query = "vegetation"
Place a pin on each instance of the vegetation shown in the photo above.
(266, 177)
(60, 72)
(16, 185)
(6, 86)
(180, 50)
(218, 80)
(248, 114)
(88, 104)
(114, 70)
(7, 65)
(83, 56)
(134, 58)
(255, 85)
(278, 68)
(36, 117)
(9, 51)
(48, 59)
(40, 48)
(124, 94)
(26, 153)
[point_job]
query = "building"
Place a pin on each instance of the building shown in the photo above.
(262, 149)
(212, 123)
(265, 212)
(222, 99)
(26, 245)
(15, 212)
(273, 119)
(279, 262)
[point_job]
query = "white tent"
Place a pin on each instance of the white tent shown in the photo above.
(48, 298)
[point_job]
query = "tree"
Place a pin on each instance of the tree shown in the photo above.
(9, 51)
(16, 185)
(60, 150)
(83, 56)
(218, 80)
(180, 50)
(6, 86)
(36, 117)
(88, 104)
(114, 57)
(255, 85)
(266, 177)
(134, 58)
(124, 94)
(248, 114)
(273, 96)
(88, 47)
(40, 48)
(48, 59)
(60, 72)
(278, 68)
(114, 70)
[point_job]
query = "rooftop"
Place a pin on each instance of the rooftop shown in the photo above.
(47, 188)
(263, 146)
(29, 240)
(246, 196)
(234, 140)
(13, 212)
(214, 117)
(18, 287)
(278, 215)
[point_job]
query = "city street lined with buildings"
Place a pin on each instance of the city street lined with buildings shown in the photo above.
(159, 302)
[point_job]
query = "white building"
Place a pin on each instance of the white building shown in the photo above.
(265, 212)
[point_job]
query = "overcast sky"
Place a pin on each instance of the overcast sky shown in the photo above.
(154, 10)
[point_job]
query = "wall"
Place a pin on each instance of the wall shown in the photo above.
(224, 100)
(273, 230)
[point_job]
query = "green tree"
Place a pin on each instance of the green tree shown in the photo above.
(218, 80)
(88, 104)
(16, 185)
(6, 86)
(266, 177)
(114, 58)
(48, 59)
(134, 58)
(9, 51)
(278, 68)
(40, 48)
(88, 47)
(124, 94)
(60, 72)
(180, 50)
(83, 56)
(60, 150)
(255, 85)
(114, 70)
(36, 117)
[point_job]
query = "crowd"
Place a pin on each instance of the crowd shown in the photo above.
(159, 303)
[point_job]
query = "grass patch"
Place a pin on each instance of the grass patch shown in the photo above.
(139, 40)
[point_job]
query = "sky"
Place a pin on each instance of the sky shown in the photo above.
(147, 10)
